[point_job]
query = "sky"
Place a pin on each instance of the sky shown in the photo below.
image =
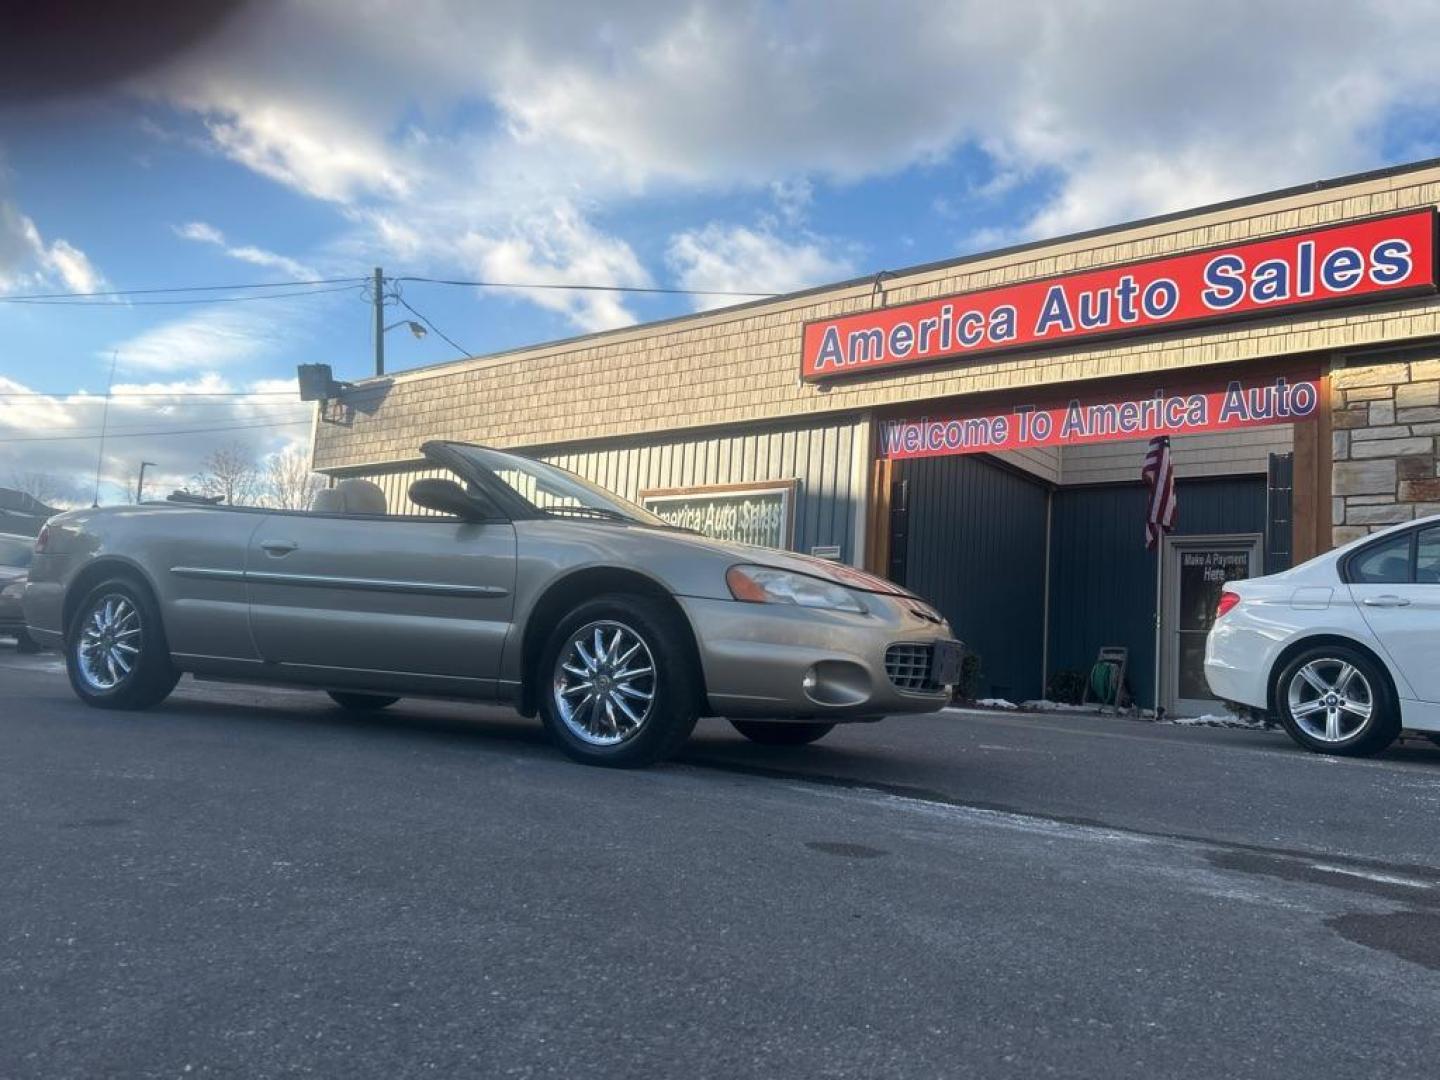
(757, 146)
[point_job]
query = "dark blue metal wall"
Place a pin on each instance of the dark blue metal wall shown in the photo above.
(977, 552)
(1102, 579)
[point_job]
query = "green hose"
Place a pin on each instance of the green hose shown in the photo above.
(1102, 683)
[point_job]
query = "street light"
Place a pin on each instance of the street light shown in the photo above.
(140, 485)
(415, 328)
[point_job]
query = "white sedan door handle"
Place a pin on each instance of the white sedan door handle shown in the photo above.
(1388, 600)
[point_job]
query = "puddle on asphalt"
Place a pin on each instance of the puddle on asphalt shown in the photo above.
(1410, 935)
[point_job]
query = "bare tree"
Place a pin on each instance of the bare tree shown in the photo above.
(231, 472)
(45, 487)
(289, 483)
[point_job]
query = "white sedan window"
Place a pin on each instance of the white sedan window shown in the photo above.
(1387, 563)
(1427, 558)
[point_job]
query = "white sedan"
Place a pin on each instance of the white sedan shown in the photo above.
(1345, 648)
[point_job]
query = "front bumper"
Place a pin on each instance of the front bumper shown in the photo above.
(756, 659)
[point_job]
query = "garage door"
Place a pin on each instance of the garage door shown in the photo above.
(975, 548)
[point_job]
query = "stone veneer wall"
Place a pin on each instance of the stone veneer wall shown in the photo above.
(1385, 425)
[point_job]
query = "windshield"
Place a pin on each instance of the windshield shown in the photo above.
(556, 491)
(16, 550)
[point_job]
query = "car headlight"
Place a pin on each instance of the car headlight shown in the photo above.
(767, 585)
(15, 591)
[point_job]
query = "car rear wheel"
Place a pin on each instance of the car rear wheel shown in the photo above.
(116, 654)
(1333, 699)
(619, 687)
(771, 733)
(360, 702)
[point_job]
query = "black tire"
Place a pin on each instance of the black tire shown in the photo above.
(361, 702)
(1305, 704)
(673, 685)
(24, 643)
(151, 675)
(773, 733)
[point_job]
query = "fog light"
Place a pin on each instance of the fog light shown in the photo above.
(809, 681)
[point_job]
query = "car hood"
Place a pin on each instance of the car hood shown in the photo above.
(753, 554)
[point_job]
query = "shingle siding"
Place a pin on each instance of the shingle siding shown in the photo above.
(741, 365)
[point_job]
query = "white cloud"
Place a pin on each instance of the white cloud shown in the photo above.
(201, 232)
(173, 424)
(733, 258)
(554, 248)
(205, 340)
(1116, 110)
(28, 262)
(205, 233)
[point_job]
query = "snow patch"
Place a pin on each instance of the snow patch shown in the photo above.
(1215, 720)
(996, 703)
(1045, 705)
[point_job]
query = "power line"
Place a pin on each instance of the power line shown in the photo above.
(171, 303)
(183, 289)
(586, 288)
(351, 282)
(153, 434)
(458, 348)
(96, 399)
(153, 425)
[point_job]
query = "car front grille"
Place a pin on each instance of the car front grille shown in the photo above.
(908, 666)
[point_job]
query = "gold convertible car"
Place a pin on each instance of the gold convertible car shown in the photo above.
(507, 580)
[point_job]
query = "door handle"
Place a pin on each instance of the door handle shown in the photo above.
(279, 547)
(1388, 600)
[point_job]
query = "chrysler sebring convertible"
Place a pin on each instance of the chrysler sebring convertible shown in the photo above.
(506, 579)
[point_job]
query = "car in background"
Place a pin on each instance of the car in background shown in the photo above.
(500, 578)
(1343, 649)
(15, 555)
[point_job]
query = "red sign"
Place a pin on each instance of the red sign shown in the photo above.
(1379, 257)
(1252, 402)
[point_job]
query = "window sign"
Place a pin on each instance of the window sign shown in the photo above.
(747, 513)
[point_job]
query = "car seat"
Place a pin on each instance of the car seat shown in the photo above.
(352, 496)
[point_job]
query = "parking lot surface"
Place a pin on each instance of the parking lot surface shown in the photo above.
(252, 882)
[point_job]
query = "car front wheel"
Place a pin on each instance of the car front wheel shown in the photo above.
(1333, 699)
(619, 687)
(771, 733)
(116, 654)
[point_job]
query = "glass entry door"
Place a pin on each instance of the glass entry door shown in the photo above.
(1195, 571)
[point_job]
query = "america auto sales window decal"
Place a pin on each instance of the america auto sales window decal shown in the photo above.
(1254, 401)
(1378, 258)
(751, 513)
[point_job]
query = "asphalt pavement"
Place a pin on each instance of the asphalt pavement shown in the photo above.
(250, 882)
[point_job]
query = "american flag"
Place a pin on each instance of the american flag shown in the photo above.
(1159, 477)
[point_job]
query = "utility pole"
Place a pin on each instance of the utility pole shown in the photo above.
(140, 484)
(379, 322)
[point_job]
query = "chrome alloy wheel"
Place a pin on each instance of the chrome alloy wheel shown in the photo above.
(109, 643)
(604, 688)
(1330, 700)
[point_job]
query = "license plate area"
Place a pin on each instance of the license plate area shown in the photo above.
(945, 658)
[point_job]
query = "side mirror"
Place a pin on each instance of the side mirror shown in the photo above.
(448, 497)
